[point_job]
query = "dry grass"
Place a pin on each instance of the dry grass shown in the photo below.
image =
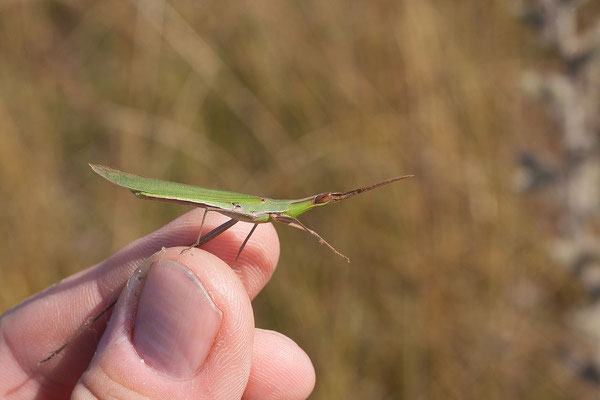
(449, 293)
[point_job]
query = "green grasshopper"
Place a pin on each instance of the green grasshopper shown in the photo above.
(237, 206)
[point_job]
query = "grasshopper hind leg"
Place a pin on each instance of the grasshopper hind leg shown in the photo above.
(212, 234)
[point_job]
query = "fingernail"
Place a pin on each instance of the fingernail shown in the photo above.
(176, 320)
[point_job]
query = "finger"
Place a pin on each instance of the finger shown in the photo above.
(44, 322)
(255, 265)
(183, 328)
(257, 261)
(280, 369)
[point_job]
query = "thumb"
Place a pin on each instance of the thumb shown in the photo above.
(182, 328)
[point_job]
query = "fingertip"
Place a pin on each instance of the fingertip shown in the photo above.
(257, 261)
(280, 369)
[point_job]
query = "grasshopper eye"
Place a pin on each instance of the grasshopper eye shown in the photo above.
(322, 198)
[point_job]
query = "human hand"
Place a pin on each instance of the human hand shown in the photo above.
(182, 328)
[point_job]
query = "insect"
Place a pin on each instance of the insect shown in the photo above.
(237, 206)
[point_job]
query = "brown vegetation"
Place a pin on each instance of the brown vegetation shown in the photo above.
(450, 293)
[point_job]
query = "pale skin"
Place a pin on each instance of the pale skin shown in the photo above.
(240, 360)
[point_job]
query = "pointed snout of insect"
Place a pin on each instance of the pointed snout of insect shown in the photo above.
(345, 195)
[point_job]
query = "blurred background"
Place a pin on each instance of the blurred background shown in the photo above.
(453, 290)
